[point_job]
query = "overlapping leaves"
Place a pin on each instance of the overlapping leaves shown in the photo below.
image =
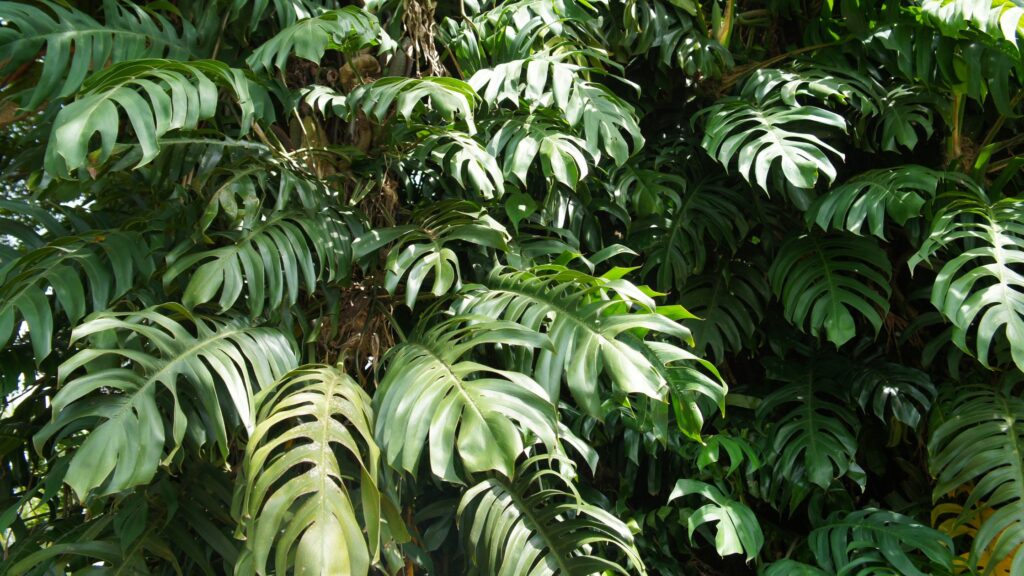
(474, 417)
(539, 524)
(209, 367)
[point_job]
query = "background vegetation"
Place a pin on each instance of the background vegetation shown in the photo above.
(530, 287)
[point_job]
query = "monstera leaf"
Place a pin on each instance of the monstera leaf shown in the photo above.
(893, 391)
(981, 443)
(998, 18)
(313, 432)
(539, 524)
(462, 159)
(607, 122)
(520, 141)
(813, 433)
(873, 196)
(157, 96)
(270, 262)
(414, 98)
(758, 135)
(697, 219)
(584, 329)
(875, 541)
(109, 261)
(349, 29)
(980, 289)
(420, 249)
(737, 530)
(821, 280)
(149, 372)
(77, 45)
(729, 304)
(458, 406)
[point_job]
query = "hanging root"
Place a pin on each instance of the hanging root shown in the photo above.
(418, 18)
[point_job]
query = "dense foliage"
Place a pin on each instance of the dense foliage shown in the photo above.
(511, 287)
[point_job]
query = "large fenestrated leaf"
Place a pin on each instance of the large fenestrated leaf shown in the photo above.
(787, 567)
(981, 443)
(822, 280)
(923, 55)
(459, 159)
(311, 450)
(419, 249)
(539, 524)
(473, 416)
(414, 98)
(347, 30)
(607, 122)
(729, 303)
(669, 31)
(150, 372)
(583, 316)
(903, 112)
(500, 32)
(285, 12)
(109, 260)
(689, 388)
(75, 44)
(520, 140)
(997, 18)
(678, 240)
(871, 541)
(980, 289)
(737, 530)
(872, 197)
(893, 391)
(758, 135)
(270, 264)
(180, 524)
(816, 82)
(813, 433)
(157, 96)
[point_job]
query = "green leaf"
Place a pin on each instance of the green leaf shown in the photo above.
(822, 280)
(893, 391)
(873, 541)
(458, 406)
(870, 197)
(544, 80)
(729, 304)
(157, 96)
(980, 290)
(737, 530)
(519, 207)
(903, 112)
(459, 157)
(981, 444)
(539, 524)
(76, 45)
(679, 239)
(813, 434)
(217, 365)
(110, 262)
(997, 18)
(421, 249)
(758, 135)
(786, 567)
(584, 326)
(348, 30)
(520, 141)
(314, 429)
(270, 263)
(414, 98)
